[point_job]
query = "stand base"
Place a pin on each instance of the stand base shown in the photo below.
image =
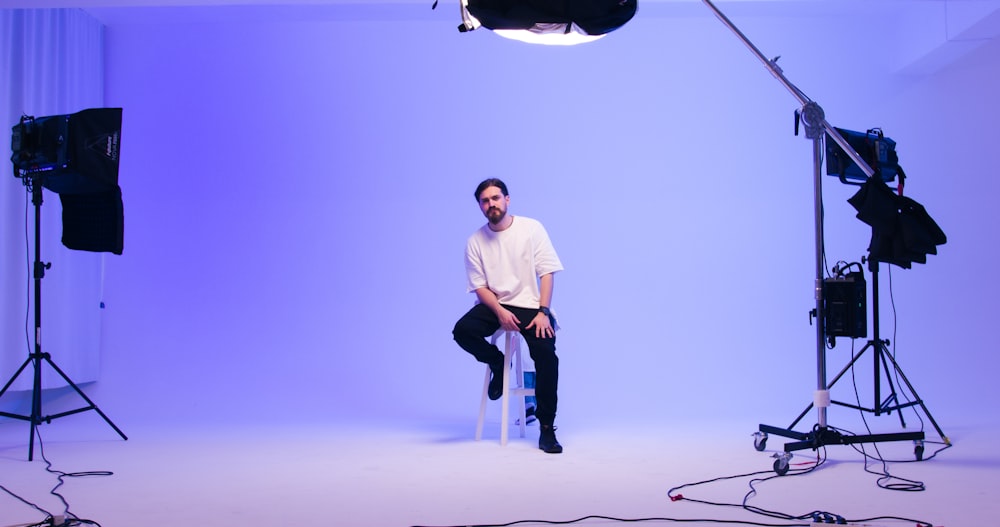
(826, 436)
(36, 418)
(822, 436)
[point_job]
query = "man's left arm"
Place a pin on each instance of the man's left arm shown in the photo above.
(542, 323)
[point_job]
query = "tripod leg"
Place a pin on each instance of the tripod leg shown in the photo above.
(846, 368)
(36, 399)
(79, 392)
(892, 401)
(15, 376)
(920, 401)
(36, 405)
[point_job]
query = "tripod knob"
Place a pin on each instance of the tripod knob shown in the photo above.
(40, 268)
(812, 118)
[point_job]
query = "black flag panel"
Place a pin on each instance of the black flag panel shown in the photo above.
(902, 230)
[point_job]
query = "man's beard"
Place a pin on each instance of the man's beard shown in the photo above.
(495, 215)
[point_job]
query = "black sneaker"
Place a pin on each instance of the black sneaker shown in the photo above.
(547, 441)
(496, 381)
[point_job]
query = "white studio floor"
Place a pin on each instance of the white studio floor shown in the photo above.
(436, 474)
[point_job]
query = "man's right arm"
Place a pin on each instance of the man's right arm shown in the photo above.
(507, 319)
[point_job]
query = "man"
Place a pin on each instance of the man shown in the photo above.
(510, 264)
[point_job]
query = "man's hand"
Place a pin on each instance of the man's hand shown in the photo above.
(542, 325)
(507, 320)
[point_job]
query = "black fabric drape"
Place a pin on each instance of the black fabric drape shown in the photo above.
(902, 230)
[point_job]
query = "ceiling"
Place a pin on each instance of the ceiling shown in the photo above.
(934, 33)
(846, 6)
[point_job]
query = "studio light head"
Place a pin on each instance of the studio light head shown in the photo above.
(77, 157)
(77, 153)
(551, 22)
(876, 150)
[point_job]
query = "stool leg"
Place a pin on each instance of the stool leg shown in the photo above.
(519, 372)
(511, 361)
(505, 398)
(482, 405)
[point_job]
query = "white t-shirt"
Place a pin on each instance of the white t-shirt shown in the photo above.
(510, 262)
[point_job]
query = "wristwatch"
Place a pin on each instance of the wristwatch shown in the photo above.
(545, 311)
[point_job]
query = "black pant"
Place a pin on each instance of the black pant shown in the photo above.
(472, 330)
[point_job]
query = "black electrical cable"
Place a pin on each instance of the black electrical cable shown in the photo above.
(813, 517)
(26, 502)
(27, 288)
(71, 519)
(895, 327)
(884, 475)
(886, 478)
(753, 491)
(625, 520)
(820, 460)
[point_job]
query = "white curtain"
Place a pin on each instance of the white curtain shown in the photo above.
(52, 64)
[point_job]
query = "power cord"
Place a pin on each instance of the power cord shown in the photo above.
(814, 517)
(886, 479)
(805, 468)
(28, 503)
(71, 519)
(625, 520)
(67, 519)
(885, 476)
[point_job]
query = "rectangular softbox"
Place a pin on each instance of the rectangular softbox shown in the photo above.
(76, 153)
(77, 157)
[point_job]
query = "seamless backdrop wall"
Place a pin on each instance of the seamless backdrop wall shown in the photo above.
(299, 193)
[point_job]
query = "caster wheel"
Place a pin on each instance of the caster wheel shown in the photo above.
(918, 451)
(780, 467)
(760, 441)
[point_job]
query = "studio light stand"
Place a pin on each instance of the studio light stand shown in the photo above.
(37, 358)
(816, 128)
(34, 180)
(882, 357)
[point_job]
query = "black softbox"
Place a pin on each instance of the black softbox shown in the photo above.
(77, 157)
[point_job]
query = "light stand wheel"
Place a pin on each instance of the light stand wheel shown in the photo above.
(781, 464)
(759, 441)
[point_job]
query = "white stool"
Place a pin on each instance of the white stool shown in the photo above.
(511, 356)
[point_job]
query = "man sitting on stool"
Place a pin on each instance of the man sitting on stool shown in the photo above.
(510, 264)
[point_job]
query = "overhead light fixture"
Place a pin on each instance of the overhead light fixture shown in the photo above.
(549, 34)
(550, 22)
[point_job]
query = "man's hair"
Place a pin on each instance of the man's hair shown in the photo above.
(491, 182)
